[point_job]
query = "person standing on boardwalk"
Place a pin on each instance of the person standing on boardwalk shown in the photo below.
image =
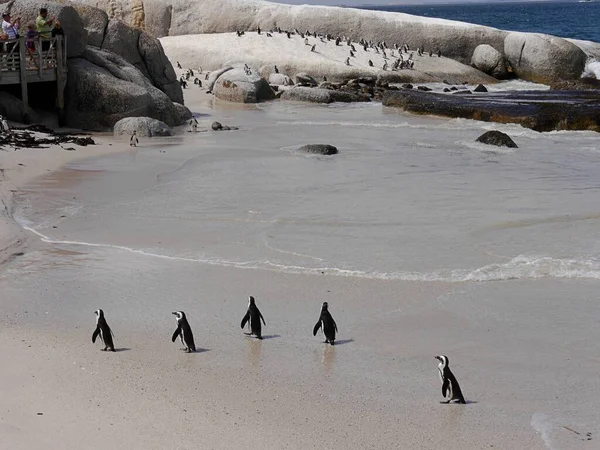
(44, 27)
(11, 29)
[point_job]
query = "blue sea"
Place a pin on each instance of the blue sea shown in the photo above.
(566, 19)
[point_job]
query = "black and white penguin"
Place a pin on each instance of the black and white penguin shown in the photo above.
(313, 48)
(450, 388)
(276, 69)
(328, 324)
(258, 30)
(184, 332)
(348, 61)
(133, 140)
(370, 63)
(439, 53)
(104, 331)
(254, 317)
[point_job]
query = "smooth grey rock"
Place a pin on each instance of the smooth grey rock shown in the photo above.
(214, 76)
(480, 88)
(280, 79)
(94, 21)
(317, 95)
(543, 58)
(237, 86)
(65, 13)
(497, 138)
(183, 114)
(304, 79)
(95, 99)
(158, 67)
(143, 126)
(123, 40)
(489, 60)
(319, 149)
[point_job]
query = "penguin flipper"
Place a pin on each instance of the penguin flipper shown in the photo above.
(334, 325)
(316, 328)
(176, 334)
(245, 319)
(262, 318)
(95, 335)
(445, 387)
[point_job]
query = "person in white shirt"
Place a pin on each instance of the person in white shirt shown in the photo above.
(11, 29)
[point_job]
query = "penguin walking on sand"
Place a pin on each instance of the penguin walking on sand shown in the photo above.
(184, 332)
(104, 331)
(370, 63)
(178, 65)
(253, 317)
(276, 69)
(193, 125)
(450, 388)
(328, 324)
(348, 61)
(313, 48)
(133, 140)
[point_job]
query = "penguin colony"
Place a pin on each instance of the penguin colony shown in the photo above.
(451, 391)
(398, 62)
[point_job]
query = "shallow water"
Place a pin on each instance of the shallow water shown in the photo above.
(407, 197)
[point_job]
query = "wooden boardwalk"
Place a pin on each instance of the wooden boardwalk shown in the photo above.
(21, 64)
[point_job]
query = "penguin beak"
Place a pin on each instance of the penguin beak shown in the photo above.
(174, 313)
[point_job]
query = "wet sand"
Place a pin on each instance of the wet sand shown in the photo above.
(525, 352)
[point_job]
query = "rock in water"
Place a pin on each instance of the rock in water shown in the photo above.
(543, 58)
(424, 88)
(304, 79)
(239, 86)
(143, 126)
(319, 149)
(497, 138)
(280, 79)
(480, 88)
(216, 126)
(489, 60)
(318, 95)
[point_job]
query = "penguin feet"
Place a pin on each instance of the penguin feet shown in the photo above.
(102, 349)
(445, 403)
(259, 337)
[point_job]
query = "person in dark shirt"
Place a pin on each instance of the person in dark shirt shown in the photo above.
(57, 30)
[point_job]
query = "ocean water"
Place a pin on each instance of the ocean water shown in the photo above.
(576, 20)
(407, 198)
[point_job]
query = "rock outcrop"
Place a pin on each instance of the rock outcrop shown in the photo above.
(143, 126)
(543, 58)
(103, 88)
(279, 79)
(319, 149)
(236, 85)
(489, 60)
(538, 110)
(497, 138)
(318, 95)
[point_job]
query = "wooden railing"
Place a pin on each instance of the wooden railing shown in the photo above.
(37, 54)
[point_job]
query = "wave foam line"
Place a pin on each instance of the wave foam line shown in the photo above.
(518, 268)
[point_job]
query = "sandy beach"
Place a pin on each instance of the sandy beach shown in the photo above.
(524, 345)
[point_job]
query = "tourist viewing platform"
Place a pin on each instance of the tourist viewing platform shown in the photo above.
(35, 60)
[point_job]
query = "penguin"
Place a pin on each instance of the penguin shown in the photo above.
(370, 63)
(348, 61)
(430, 53)
(4, 125)
(450, 388)
(133, 140)
(385, 66)
(324, 78)
(193, 125)
(306, 41)
(328, 324)
(313, 48)
(269, 35)
(439, 53)
(104, 331)
(253, 317)
(184, 332)
(276, 69)
(351, 54)
(178, 65)
(258, 30)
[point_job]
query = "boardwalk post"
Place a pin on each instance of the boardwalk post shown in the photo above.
(60, 81)
(23, 74)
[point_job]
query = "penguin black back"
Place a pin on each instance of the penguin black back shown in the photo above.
(328, 324)
(254, 317)
(104, 331)
(184, 332)
(450, 387)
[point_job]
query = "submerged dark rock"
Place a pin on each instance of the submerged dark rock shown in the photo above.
(424, 88)
(480, 88)
(319, 149)
(537, 110)
(497, 138)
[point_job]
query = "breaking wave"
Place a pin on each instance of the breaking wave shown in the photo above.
(592, 69)
(518, 268)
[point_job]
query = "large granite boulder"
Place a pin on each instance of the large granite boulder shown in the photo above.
(543, 58)
(103, 88)
(94, 22)
(240, 87)
(489, 60)
(65, 13)
(318, 95)
(279, 79)
(214, 76)
(143, 126)
(123, 40)
(538, 110)
(158, 67)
